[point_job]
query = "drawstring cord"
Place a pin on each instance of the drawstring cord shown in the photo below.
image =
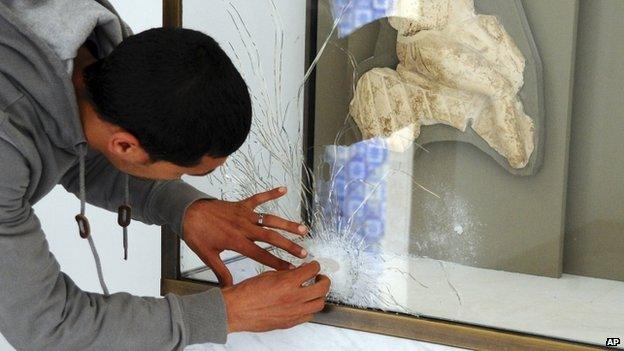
(83, 223)
(98, 265)
(124, 214)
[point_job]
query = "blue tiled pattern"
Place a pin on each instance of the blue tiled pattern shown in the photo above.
(360, 13)
(359, 187)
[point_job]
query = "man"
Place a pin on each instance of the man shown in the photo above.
(79, 108)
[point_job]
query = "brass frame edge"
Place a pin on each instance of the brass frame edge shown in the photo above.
(172, 13)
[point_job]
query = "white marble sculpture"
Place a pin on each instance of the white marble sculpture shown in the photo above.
(456, 68)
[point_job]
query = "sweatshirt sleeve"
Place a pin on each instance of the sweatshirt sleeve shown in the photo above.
(153, 202)
(42, 309)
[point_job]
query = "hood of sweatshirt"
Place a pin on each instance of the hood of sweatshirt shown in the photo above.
(50, 47)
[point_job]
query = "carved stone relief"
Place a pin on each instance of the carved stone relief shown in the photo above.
(456, 68)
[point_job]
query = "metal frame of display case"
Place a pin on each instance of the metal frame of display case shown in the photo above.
(395, 324)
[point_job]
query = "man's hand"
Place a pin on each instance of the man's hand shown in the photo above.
(212, 226)
(275, 299)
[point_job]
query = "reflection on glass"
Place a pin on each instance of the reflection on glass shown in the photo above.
(440, 157)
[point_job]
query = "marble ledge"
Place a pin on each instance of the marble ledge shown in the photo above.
(316, 337)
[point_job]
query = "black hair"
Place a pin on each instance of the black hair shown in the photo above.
(176, 91)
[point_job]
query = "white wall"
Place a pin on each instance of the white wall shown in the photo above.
(140, 275)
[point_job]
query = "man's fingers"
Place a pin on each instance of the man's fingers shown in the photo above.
(317, 290)
(313, 306)
(276, 222)
(258, 254)
(305, 272)
(258, 199)
(220, 270)
(276, 239)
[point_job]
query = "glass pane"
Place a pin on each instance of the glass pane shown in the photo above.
(261, 38)
(466, 156)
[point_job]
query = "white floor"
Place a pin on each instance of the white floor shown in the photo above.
(316, 337)
(571, 307)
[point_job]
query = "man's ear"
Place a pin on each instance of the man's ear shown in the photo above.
(127, 147)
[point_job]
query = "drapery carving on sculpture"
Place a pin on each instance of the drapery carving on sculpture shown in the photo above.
(457, 68)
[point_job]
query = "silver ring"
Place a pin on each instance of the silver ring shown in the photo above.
(260, 219)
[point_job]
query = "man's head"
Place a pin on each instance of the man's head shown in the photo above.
(169, 102)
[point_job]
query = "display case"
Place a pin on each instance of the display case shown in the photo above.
(457, 162)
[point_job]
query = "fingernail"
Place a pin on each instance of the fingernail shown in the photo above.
(304, 253)
(282, 189)
(302, 228)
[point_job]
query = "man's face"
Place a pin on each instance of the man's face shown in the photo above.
(124, 151)
(163, 170)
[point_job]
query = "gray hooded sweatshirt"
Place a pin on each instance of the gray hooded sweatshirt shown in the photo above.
(42, 144)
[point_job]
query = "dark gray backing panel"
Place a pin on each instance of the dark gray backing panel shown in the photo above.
(513, 223)
(594, 242)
